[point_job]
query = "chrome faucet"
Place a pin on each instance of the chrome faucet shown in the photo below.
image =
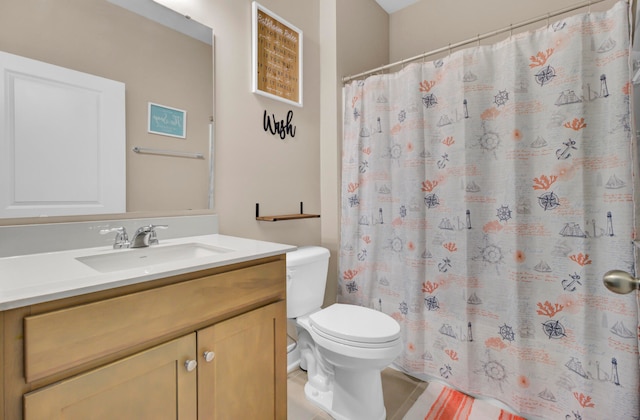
(146, 236)
(122, 240)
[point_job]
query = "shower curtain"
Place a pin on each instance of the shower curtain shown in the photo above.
(484, 196)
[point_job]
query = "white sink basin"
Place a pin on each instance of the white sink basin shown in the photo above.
(143, 257)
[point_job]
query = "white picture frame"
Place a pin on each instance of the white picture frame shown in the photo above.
(276, 57)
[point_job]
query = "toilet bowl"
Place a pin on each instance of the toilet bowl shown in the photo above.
(343, 347)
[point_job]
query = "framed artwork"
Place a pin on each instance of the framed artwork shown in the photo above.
(167, 121)
(277, 57)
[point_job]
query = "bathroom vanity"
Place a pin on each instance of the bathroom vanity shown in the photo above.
(199, 338)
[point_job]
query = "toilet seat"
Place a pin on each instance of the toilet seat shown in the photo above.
(355, 326)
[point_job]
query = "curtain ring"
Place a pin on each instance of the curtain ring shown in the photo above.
(449, 49)
(548, 17)
(478, 40)
(589, 6)
(424, 57)
(510, 30)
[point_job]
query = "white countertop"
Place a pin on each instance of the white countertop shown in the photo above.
(37, 278)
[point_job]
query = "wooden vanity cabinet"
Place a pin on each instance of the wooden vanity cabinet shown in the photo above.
(243, 380)
(152, 384)
(125, 352)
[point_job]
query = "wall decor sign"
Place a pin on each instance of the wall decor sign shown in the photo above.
(281, 128)
(167, 121)
(277, 57)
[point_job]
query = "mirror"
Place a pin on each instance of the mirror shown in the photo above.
(157, 65)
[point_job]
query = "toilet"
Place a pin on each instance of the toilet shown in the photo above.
(342, 347)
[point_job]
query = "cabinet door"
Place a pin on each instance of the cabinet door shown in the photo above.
(247, 377)
(153, 384)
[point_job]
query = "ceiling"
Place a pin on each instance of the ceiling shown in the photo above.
(391, 6)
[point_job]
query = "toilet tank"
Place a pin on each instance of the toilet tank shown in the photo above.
(306, 279)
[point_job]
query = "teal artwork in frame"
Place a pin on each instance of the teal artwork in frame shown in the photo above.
(167, 121)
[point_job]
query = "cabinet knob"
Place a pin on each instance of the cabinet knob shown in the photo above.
(208, 356)
(190, 365)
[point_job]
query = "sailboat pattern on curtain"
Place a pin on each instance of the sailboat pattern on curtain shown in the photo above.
(484, 196)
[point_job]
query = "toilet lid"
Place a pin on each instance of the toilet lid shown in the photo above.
(355, 323)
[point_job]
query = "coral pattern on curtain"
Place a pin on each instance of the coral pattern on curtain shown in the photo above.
(484, 197)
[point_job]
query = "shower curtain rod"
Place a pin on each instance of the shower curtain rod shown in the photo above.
(472, 40)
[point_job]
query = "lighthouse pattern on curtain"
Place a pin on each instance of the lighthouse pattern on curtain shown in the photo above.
(485, 194)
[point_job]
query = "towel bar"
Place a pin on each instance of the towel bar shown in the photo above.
(175, 153)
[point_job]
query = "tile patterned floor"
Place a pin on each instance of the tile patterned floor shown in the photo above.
(400, 392)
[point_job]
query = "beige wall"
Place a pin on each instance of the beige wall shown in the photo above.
(253, 166)
(329, 145)
(155, 63)
(363, 36)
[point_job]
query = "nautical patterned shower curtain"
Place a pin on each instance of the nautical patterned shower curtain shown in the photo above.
(484, 197)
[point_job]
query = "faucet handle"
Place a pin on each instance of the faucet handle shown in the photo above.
(153, 238)
(122, 239)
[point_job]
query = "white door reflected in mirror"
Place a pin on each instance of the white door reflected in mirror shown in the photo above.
(63, 152)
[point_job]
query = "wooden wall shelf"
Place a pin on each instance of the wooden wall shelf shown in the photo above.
(276, 218)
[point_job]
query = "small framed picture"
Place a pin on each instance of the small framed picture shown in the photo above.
(277, 57)
(167, 121)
